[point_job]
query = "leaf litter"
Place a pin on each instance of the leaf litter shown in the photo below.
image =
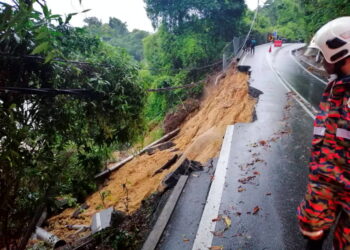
(216, 248)
(226, 221)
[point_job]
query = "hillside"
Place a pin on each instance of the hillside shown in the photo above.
(116, 33)
(199, 139)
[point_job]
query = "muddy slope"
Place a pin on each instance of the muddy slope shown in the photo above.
(200, 139)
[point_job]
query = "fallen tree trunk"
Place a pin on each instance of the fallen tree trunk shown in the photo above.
(161, 146)
(123, 162)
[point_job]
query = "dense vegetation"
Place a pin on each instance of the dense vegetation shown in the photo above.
(283, 16)
(75, 97)
(52, 144)
(317, 13)
(190, 34)
(297, 19)
(115, 33)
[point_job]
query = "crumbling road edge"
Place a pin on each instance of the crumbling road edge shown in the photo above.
(204, 236)
(157, 231)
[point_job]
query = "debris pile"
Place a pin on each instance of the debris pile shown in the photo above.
(199, 140)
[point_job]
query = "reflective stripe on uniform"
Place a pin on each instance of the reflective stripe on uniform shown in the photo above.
(319, 131)
(343, 133)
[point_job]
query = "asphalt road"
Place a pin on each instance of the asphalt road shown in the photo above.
(274, 152)
(267, 171)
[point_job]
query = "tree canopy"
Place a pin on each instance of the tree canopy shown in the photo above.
(191, 34)
(297, 20)
(116, 33)
(52, 144)
(219, 17)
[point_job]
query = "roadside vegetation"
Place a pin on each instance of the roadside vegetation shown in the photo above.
(70, 96)
(53, 143)
(296, 20)
(116, 33)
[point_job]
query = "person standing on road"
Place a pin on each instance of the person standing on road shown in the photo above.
(328, 189)
(247, 46)
(253, 44)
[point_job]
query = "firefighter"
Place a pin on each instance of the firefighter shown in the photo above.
(328, 190)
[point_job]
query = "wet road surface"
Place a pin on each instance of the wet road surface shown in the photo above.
(273, 153)
(309, 87)
(267, 173)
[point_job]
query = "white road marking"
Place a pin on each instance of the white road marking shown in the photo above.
(289, 87)
(321, 80)
(244, 57)
(204, 237)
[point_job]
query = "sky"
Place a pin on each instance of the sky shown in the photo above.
(253, 3)
(130, 11)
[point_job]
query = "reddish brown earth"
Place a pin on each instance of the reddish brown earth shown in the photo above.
(200, 139)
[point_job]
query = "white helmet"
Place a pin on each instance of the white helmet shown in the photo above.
(333, 40)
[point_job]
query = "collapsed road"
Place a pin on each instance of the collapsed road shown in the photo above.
(264, 173)
(129, 186)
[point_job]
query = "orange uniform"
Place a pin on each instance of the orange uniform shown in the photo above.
(328, 191)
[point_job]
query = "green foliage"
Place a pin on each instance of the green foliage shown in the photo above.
(214, 16)
(284, 16)
(191, 34)
(318, 13)
(156, 134)
(159, 103)
(296, 20)
(53, 145)
(116, 34)
(117, 25)
(122, 240)
(93, 21)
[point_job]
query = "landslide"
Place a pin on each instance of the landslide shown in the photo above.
(200, 139)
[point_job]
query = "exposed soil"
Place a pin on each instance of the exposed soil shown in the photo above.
(200, 139)
(175, 119)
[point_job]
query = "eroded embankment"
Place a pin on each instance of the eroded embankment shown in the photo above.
(200, 139)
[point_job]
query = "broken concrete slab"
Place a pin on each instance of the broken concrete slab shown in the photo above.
(184, 169)
(102, 220)
(106, 218)
(255, 93)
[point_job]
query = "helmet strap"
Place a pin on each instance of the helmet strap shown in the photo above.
(338, 68)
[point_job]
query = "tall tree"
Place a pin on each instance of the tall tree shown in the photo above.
(115, 33)
(118, 26)
(191, 34)
(58, 118)
(318, 13)
(219, 17)
(93, 21)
